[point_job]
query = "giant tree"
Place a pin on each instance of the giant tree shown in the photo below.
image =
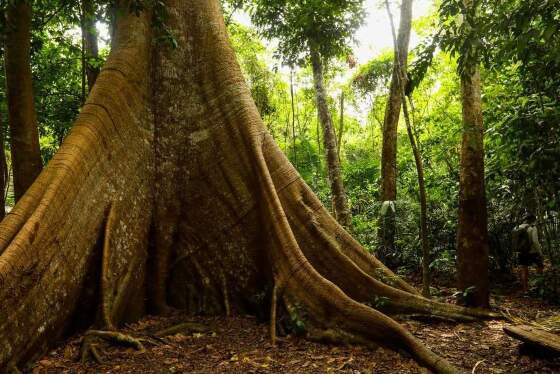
(24, 135)
(170, 191)
(390, 126)
(315, 32)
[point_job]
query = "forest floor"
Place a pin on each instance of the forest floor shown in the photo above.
(241, 345)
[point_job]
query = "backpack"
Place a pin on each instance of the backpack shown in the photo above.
(521, 242)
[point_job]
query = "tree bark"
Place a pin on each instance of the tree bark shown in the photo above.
(4, 173)
(341, 209)
(402, 79)
(387, 222)
(24, 134)
(293, 117)
(341, 126)
(472, 231)
(90, 46)
(426, 275)
(170, 190)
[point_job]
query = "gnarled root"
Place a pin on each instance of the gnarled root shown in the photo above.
(105, 268)
(182, 327)
(89, 346)
(325, 302)
(108, 302)
(118, 338)
(273, 309)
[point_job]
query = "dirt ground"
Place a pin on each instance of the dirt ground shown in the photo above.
(241, 345)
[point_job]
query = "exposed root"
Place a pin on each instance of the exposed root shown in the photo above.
(323, 300)
(273, 307)
(225, 293)
(89, 347)
(431, 318)
(118, 338)
(105, 269)
(206, 283)
(189, 327)
(379, 288)
(108, 302)
(333, 336)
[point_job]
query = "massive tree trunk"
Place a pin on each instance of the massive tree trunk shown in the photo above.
(90, 46)
(472, 231)
(169, 178)
(387, 223)
(340, 205)
(24, 135)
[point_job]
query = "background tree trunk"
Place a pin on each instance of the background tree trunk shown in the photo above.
(341, 126)
(472, 230)
(90, 46)
(426, 275)
(402, 79)
(341, 209)
(4, 173)
(293, 117)
(24, 135)
(387, 221)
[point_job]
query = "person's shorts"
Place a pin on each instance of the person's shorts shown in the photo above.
(528, 259)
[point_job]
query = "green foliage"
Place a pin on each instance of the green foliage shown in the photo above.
(329, 25)
(374, 75)
(57, 76)
(252, 55)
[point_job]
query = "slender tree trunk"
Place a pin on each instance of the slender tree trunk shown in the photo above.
(90, 46)
(387, 221)
(84, 76)
(170, 190)
(4, 173)
(426, 276)
(341, 209)
(402, 78)
(472, 231)
(293, 117)
(24, 134)
(341, 126)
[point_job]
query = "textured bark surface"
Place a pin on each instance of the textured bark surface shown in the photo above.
(472, 231)
(171, 181)
(4, 172)
(24, 135)
(390, 126)
(535, 337)
(340, 201)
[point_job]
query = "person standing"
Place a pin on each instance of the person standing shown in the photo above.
(525, 240)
